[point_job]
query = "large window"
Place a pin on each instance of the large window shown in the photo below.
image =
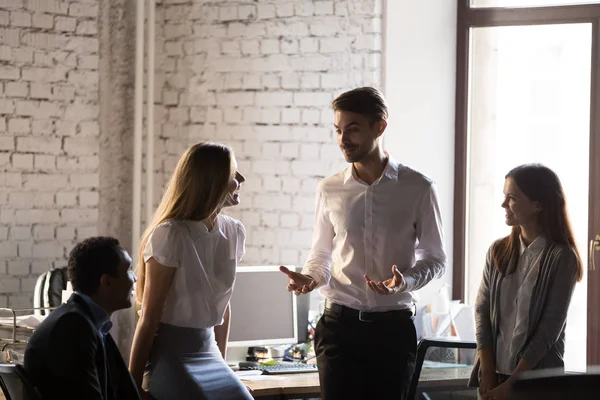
(527, 3)
(526, 84)
(530, 90)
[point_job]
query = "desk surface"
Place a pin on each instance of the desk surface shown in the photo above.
(308, 383)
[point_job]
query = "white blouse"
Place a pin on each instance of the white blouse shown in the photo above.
(206, 263)
(515, 299)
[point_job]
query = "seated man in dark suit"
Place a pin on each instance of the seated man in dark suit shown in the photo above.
(71, 355)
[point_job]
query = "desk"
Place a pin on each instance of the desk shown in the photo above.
(306, 385)
(295, 386)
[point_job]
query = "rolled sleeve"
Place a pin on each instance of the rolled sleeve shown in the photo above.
(318, 264)
(429, 252)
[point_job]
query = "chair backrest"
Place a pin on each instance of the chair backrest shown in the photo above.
(37, 293)
(551, 384)
(48, 289)
(426, 344)
(11, 383)
(15, 383)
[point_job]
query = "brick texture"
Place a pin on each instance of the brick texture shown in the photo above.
(260, 76)
(48, 137)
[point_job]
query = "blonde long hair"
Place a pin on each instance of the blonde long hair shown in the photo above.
(196, 191)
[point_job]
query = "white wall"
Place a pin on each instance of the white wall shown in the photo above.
(419, 82)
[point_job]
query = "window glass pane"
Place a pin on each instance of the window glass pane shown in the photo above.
(528, 3)
(529, 102)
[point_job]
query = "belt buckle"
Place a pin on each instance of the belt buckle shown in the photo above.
(362, 317)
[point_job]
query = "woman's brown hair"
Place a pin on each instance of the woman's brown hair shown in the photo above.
(539, 183)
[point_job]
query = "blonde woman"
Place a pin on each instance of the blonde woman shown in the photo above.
(187, 261)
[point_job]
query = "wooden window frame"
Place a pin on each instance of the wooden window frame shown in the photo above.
(469, 17)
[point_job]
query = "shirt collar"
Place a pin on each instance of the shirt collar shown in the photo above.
(391, 169)
(101, 318)
(198, 228)
(534, 247)
(389, 172)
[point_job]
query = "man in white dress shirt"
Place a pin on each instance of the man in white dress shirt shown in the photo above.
(377, 239)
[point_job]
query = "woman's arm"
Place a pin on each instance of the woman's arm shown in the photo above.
(554, 316)
(156, 287)
(483, 318)
(521, 367)
(222, 331)
(486, 360)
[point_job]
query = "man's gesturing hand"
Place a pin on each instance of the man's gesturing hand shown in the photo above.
(298, 283)
(390, 286)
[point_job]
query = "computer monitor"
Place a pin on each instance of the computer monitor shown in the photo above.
(263, 312)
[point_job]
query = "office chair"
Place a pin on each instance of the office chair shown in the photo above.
(555, 384)
(15, 383)
(48, 289)
(422, 347)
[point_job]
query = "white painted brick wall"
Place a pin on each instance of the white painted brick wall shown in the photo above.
(48, 137)
(260, 77)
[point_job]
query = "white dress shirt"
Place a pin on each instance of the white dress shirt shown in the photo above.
(206, 264)
(365, 229)
(515, 297)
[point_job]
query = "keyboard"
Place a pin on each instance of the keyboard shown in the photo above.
(287, 368)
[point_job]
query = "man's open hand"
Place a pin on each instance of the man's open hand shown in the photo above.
(390, 286)
(299, 283)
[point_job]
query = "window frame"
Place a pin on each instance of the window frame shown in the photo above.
(471, 17)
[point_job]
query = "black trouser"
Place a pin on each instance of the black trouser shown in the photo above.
(372, 359)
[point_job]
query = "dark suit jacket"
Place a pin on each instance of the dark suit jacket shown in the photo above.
(65, 358)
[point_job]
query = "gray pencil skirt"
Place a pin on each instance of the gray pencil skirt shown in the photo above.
(186, 364)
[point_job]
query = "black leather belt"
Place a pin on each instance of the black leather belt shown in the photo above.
(339, 310)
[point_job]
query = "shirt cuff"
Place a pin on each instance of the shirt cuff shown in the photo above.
(409, 284)
(315, 276)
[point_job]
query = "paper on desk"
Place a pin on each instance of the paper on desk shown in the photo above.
(29, 321)
(245, 372)
(262, 378)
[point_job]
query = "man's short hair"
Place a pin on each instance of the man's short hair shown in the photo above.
(90, 259)
(366, 100)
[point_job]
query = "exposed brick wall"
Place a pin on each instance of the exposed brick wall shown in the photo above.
(48, 137)
(260, 77)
